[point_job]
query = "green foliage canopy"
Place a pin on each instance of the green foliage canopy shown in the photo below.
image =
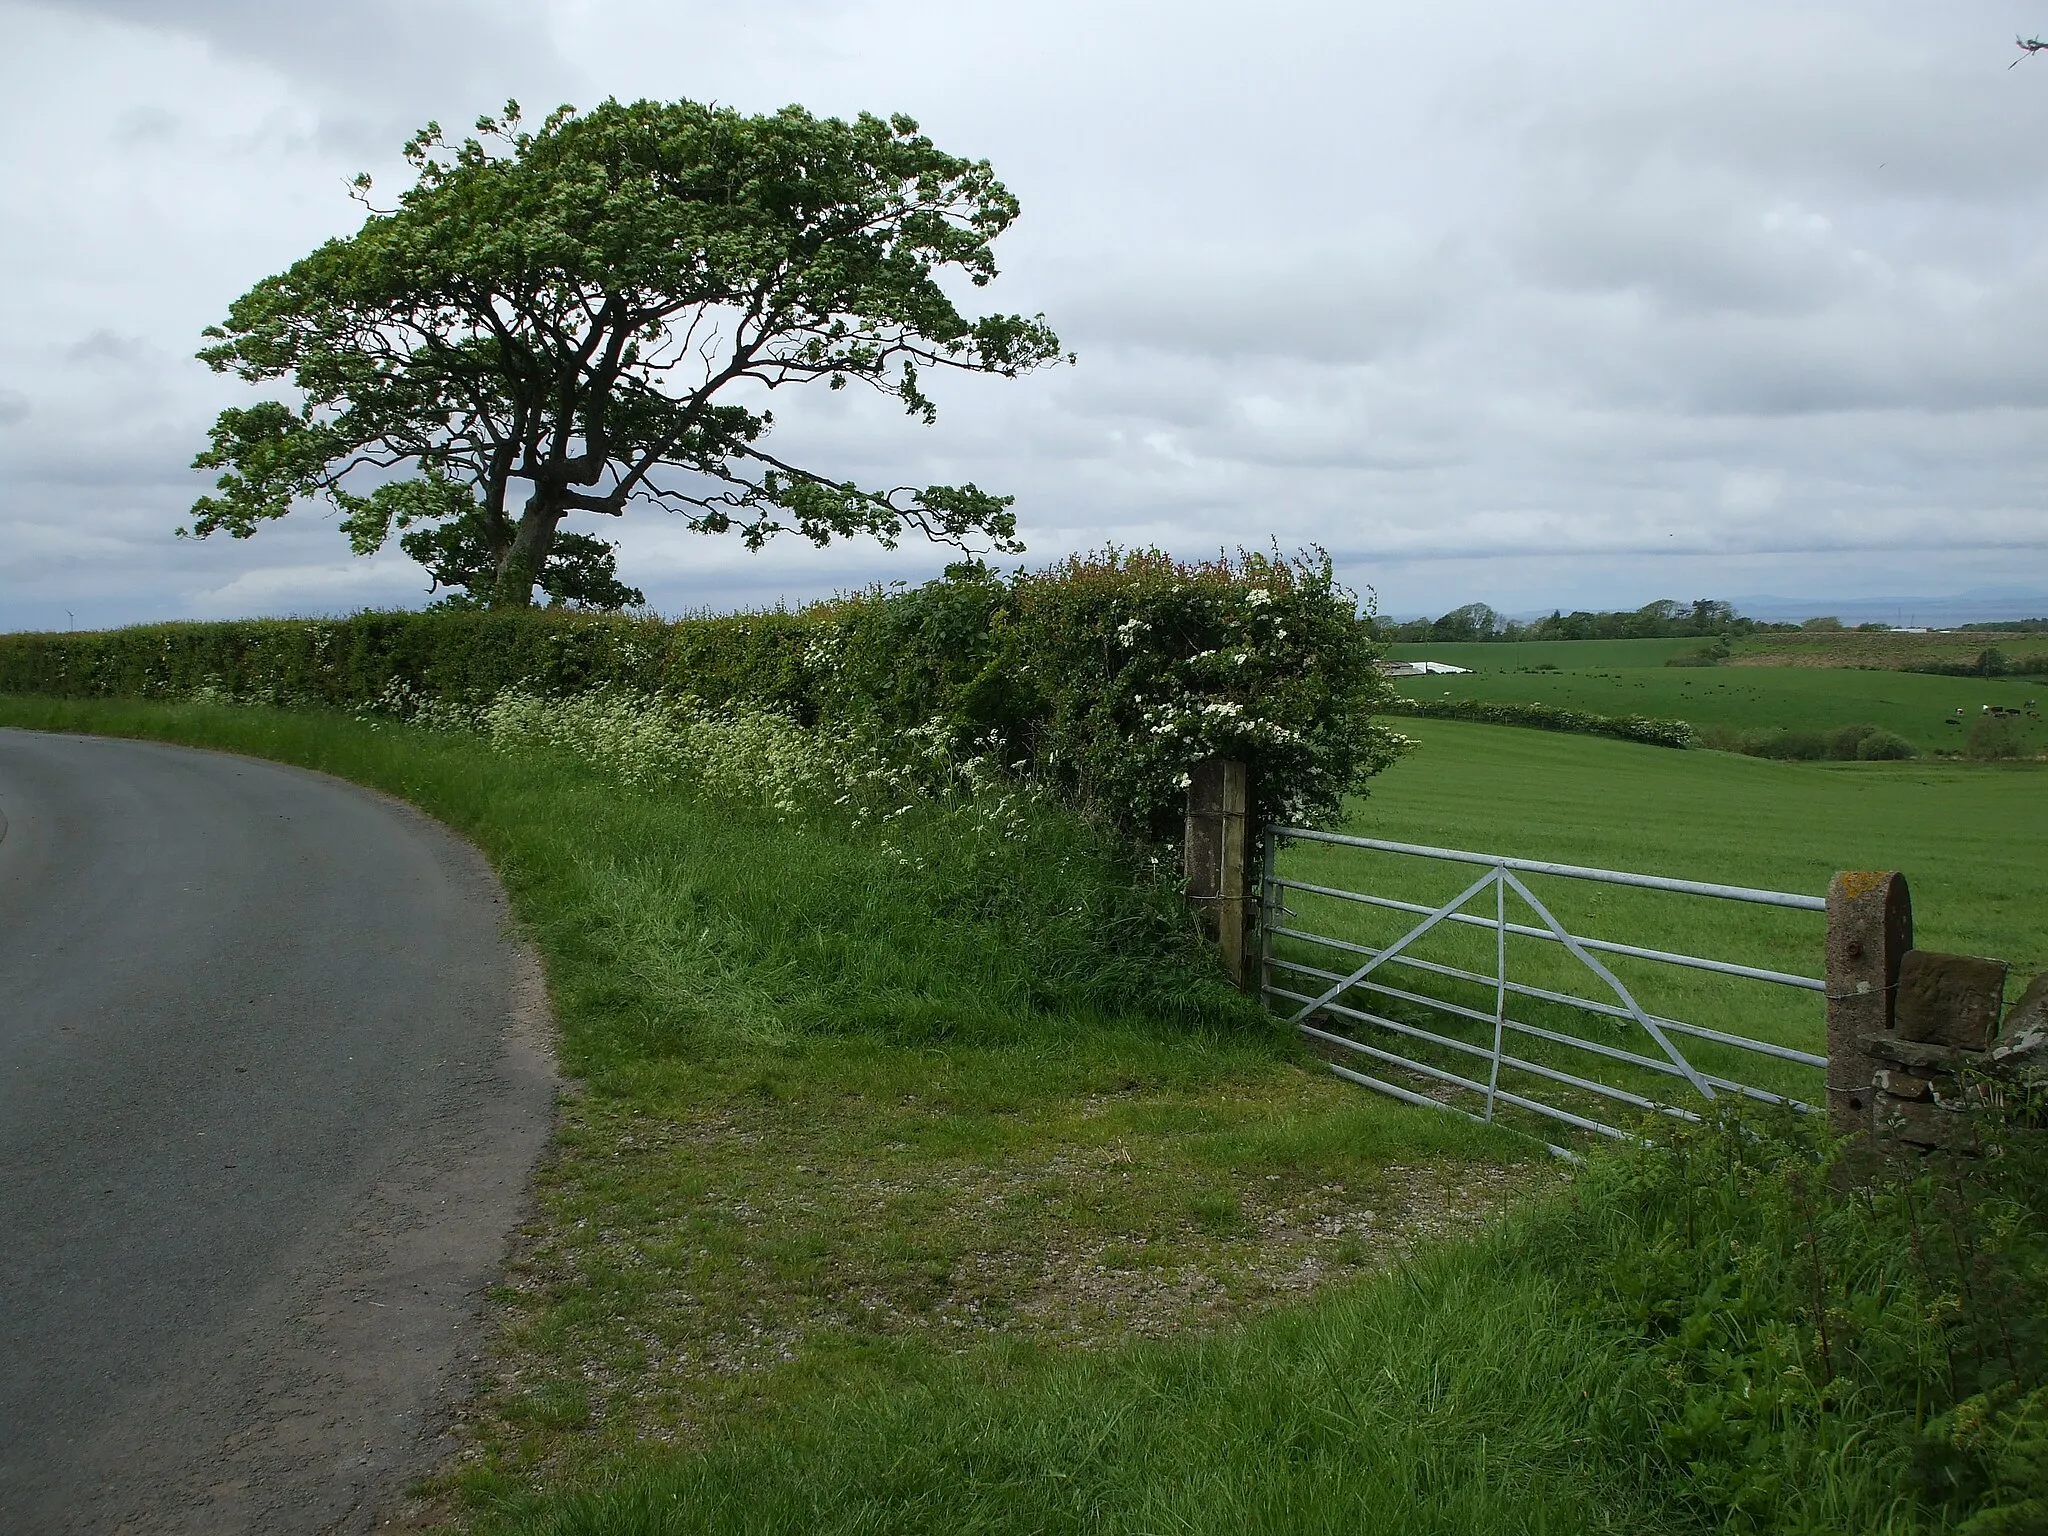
(592, 313)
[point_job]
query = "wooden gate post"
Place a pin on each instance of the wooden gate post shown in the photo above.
(1870, 928)
(1220, 856)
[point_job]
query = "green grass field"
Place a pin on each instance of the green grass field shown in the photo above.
(1879, 648)
(900, 1197)
(1619, 677)
(1968, 836)
(1839, 649)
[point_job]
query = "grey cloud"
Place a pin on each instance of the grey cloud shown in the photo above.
(374, 48)
(1685, 251)
(1880, 126)
(1911, 352)
(103, 347)
(147, 125)
(1326, 305)
(13, 406)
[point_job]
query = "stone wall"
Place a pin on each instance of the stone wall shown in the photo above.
(1952, 1054)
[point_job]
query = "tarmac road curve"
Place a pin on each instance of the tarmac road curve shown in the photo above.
(273, 1078)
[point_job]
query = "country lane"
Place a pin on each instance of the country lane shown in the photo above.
(273, 1079)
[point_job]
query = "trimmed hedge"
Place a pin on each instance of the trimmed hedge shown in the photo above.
(1106, 676)
(1544, 717)
(1843, 744)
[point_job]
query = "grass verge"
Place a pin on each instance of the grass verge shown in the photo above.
(1723, 1334)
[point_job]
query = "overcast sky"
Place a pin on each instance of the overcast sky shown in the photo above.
(1521, 303)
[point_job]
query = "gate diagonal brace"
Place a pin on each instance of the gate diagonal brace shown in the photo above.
(1627, 1000)
(1429, 922)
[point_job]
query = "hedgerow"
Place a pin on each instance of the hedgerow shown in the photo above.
(1844, 744)
(1546, 717)
(1101, 679)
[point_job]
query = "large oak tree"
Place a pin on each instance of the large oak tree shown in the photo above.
(586, 317)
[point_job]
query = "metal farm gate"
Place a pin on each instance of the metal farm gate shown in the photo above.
(1496, 1021)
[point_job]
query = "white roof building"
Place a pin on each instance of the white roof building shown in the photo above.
(1420, 668)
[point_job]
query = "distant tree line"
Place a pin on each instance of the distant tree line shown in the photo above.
(1665, 619)
(2009, 627)
(1662, 620)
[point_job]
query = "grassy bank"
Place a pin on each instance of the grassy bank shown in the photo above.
(1702, 1338)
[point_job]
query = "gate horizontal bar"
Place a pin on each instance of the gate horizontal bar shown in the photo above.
(1595, 1047)
(1533, 1105)
(1604, 1090)
(1606, 946)
(1570, 871)
(1544, 994)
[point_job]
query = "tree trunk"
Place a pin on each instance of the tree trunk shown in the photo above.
(523, 562)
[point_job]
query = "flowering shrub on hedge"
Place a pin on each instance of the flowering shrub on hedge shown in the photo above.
(1102, 679)
(1112, 674)
(1544, 717)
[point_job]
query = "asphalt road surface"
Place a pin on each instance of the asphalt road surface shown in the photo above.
(272, 1082)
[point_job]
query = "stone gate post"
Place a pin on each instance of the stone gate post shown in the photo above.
(1870, 928)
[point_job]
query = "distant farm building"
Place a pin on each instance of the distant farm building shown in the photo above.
(1419, 668)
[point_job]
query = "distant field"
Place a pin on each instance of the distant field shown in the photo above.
(1563, 654)
(1967, 838)
(1879, 650)
(1858, 648)
(1635, 681)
